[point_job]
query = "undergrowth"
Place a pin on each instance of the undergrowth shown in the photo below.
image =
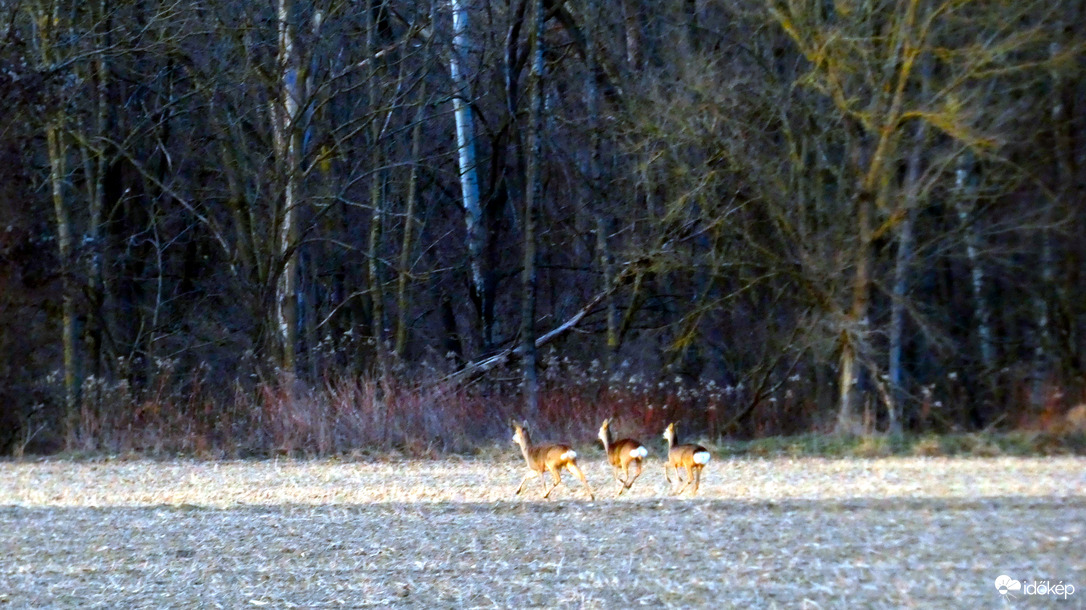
(189, 413)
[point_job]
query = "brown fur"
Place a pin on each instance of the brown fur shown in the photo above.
(548, 457)
(1075, 420)
(682, 456)
(618, 454)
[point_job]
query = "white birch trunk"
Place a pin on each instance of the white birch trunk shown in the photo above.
(287, 145)
(465, 142)
(966, 203)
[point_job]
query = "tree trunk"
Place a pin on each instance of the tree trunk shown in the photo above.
(377, 205)
(309, 313)
(883, 125)
(900, 291)
(902, 268)
(854, 335)
(376, 287)
(47, 20)
(1063, 179)
(288, 148)
(469, 180)
(532, 202)
(595, 192)
(966, 202)
(94, 167)
(607, 267)
(408, 227)
(57, 173)
(634, 33)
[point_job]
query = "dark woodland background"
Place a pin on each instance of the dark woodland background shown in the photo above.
(235, 228)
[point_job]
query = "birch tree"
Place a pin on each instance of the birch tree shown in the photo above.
(864, 59)
(469, 178)
(285, 115)
(965, 201)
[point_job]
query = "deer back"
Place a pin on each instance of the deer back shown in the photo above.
(551, 456)
(683, 455)
(620, 451)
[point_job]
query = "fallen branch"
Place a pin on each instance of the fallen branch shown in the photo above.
(473, 370)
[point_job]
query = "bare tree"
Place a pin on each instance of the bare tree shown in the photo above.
(469, 178)
(532, 202)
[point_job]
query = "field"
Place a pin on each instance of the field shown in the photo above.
(790, 533)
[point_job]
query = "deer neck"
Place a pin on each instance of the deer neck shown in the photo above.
(526, 449)
(606, 438)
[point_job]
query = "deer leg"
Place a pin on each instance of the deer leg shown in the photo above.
(557, 480)
(522, 482)
(697, 480)
(689, 480)
(626, 482)
(543, 483)
(667, 474)
(572, 467)
(629, 481)
(614, 473)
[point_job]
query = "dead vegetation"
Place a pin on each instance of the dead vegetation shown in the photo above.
(898, 532)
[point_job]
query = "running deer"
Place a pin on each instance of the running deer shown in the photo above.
(621, 454)
(692, 458)
(550, 457)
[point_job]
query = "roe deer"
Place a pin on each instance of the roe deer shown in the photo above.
(550, 457)
(621, 454)
(690, 457)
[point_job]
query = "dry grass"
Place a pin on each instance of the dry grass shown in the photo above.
(813, 533)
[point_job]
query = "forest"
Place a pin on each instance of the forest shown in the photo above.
(246, 228)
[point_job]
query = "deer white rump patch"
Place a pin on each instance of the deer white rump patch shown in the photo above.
(702, 457)
(640, 452)
(569, 455)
